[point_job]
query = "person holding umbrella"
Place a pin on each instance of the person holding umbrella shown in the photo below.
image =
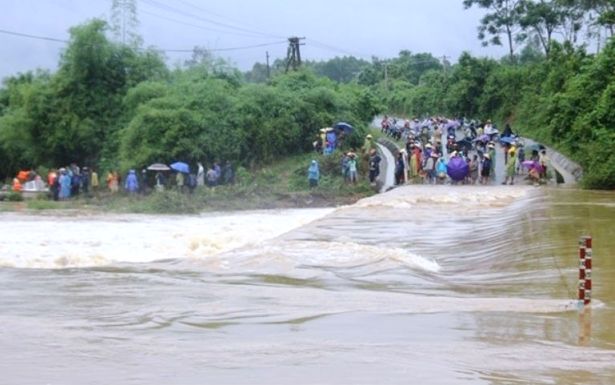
(179, 181)
(160, 182)
(181, 168)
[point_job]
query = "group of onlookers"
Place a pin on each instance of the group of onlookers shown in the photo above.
(72, 181)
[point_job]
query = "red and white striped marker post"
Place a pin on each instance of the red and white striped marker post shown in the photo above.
(585, 270)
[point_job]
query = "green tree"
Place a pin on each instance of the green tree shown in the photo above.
(467, 82)
(543, 19)
(502, 19)
(340, 69)
(410, 67)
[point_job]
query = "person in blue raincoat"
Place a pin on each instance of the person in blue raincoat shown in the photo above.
(131, 184)
(441, 170)
(313, 174)
(65, 184)
(331, 140)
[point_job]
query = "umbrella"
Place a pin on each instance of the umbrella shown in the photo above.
(483, 138)
(464, 145)
(158, 167)
(181, 167)
(535, 147)
(452, 124)
(507, 139)
(347, 128)
(532, 164)
(457, 168)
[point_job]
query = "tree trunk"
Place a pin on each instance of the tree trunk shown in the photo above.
(544, 43)
(510, 44)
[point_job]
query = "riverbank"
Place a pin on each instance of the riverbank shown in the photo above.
(280, 185)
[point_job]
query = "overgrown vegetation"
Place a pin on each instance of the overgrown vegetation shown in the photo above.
(111, 106)
(114, 106)
(566, 101)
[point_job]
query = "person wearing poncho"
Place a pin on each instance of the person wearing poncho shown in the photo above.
(313, 174)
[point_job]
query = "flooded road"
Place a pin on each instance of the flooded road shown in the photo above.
(422, 284)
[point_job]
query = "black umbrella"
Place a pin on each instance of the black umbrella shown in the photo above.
(347, 128)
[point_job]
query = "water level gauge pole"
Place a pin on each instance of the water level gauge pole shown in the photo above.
(585, 271)
(588, 270)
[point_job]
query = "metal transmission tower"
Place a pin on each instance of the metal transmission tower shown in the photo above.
(124, 21)
(293, 56)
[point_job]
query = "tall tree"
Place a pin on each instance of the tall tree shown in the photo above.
(502, 19)
(543, 19)
(602, 10)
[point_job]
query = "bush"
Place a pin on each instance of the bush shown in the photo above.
(14, 197)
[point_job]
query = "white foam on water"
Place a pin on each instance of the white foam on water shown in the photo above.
(294, 257)
(447, 196)
(62, 242)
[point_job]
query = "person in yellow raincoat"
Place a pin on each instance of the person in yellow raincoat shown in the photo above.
(368, 145)
(415, 161)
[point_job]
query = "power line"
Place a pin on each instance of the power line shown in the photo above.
(168, 8)
(198, 25)
(227, 49)
(46, 38)
(33, 36)
(316, 43)
(173, 50)
(208, 12)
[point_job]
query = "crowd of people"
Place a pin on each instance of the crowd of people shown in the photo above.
(433, 151)
(439, 150)
(71, 181)
(329, 140)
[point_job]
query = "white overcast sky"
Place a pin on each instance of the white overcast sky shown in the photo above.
(332, 28)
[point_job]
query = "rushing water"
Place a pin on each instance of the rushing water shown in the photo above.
(423, 284)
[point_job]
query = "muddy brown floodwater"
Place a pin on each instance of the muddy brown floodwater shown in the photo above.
(422, 284)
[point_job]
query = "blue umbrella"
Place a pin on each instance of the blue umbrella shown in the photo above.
(181, 167)
(347, 128)
(457, 168)
(507, 139)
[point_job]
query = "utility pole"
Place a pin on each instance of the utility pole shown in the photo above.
(293, 55)
(445, 64)
(124, 22)
(386, 76)
(268, 70)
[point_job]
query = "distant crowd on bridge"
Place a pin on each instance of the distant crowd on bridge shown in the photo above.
(461, 151)
(438, 150)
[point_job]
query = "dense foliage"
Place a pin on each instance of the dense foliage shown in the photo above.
(113, 106)
(118, 106)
